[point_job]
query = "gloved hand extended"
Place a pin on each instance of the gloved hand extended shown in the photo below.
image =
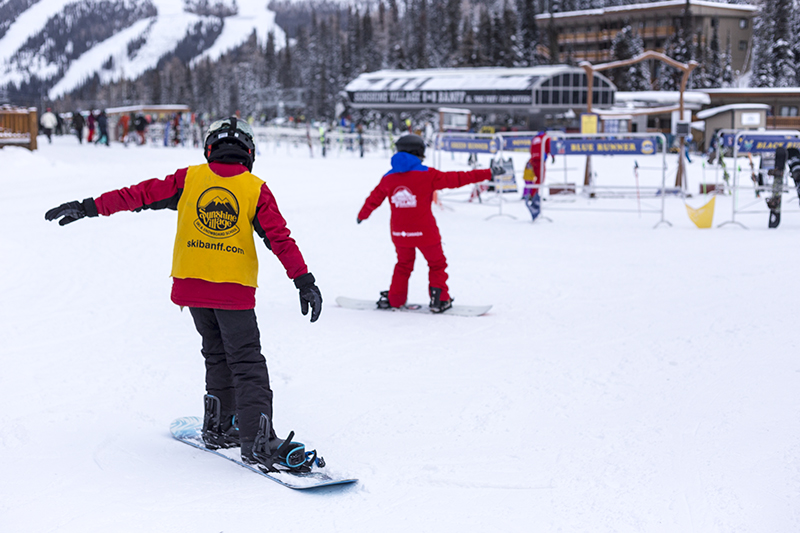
(497, 169)
(309, 295)
(72, 211)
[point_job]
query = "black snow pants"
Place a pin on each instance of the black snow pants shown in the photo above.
(236, 372)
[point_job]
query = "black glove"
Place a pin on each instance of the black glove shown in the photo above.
(72, 211)
(497, 168)
(309, 295)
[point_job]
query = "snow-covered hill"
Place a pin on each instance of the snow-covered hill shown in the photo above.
(66, 42)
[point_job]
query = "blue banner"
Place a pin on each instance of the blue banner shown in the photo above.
(517, 144)
(462, 144)
(759, 143)
(637, 146)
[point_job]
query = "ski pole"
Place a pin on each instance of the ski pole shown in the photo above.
(636, 175)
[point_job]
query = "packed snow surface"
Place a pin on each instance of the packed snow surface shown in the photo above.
(627, 379)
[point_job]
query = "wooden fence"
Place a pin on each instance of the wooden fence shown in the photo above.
(18, 127)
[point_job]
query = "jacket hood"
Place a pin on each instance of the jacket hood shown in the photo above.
(405, 162)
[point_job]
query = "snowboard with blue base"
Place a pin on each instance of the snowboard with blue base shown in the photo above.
(456, 310)
(188, 430)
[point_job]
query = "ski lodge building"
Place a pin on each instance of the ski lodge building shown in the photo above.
(587, 35)
(537, 95)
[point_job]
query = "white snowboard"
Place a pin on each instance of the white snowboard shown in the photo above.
(456, 310)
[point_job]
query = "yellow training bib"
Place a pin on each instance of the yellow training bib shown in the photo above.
(214, 241)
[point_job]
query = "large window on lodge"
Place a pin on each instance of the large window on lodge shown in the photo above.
(570, 89)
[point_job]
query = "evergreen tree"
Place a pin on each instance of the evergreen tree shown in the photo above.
(714, 59)
(528, 34)
(628, 44)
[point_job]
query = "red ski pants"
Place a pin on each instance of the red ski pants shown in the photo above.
(437, 277)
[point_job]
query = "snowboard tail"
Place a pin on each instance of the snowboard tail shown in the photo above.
(456, 310)
(188, 430)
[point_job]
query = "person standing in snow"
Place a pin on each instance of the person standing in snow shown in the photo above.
(410, 185)
(102, 126)
(90, 123)
(540, 149)
(214, 269)
(49, 122)
(77, 125)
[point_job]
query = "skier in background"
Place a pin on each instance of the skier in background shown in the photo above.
(140, 125)
(102, 126)
(90, 123)
(540, 149)
(410, 186)
(214, 271)
(48, 122)
(78, 123)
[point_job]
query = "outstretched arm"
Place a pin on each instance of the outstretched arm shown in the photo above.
(454, 180)
(149, 194)
(375, 199)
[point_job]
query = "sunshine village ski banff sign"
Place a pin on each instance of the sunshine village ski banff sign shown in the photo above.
(500, 98)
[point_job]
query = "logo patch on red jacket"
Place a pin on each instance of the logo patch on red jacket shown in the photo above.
(402, 197)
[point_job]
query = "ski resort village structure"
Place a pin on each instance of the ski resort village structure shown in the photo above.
(531, 92)
(587, 35)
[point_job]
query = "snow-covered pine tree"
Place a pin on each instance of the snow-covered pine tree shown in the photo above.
(626, 45)
(680, 48)
(763, 39)
(527, 34)
(713, 62)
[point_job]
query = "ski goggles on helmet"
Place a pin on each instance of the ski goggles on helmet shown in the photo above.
(231, 129)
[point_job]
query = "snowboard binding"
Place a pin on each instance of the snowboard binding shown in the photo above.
(218, 431)
(383, 301)
(280, 456)
(438, 305)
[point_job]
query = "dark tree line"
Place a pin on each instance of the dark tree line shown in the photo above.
(326, 46)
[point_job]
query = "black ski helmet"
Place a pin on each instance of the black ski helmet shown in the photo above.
(412, 144)
(230, 140)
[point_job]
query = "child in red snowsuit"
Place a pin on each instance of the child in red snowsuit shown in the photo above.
(410, 185)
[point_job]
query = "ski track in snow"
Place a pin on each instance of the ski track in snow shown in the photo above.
(627, 379)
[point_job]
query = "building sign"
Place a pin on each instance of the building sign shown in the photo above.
(639, 146)
(425, 98)
(462, 144)
(588, 123)
(751, 119)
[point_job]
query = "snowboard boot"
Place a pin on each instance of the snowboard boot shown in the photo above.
(383, 302)
(219, 430)
(276, 455)
(438, 305)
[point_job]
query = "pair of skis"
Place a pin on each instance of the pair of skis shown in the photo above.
(774, 201)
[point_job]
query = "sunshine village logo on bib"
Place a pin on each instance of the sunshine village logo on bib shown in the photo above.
(217, 213)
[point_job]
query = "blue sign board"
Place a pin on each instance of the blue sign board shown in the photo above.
(517, 144)
(759, 143)
(590, 146)
(465, 144)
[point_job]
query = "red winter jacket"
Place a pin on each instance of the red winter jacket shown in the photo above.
(269, 225)
(410, 187)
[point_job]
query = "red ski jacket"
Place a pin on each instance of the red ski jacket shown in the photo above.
(269, 224)
(410, 187)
